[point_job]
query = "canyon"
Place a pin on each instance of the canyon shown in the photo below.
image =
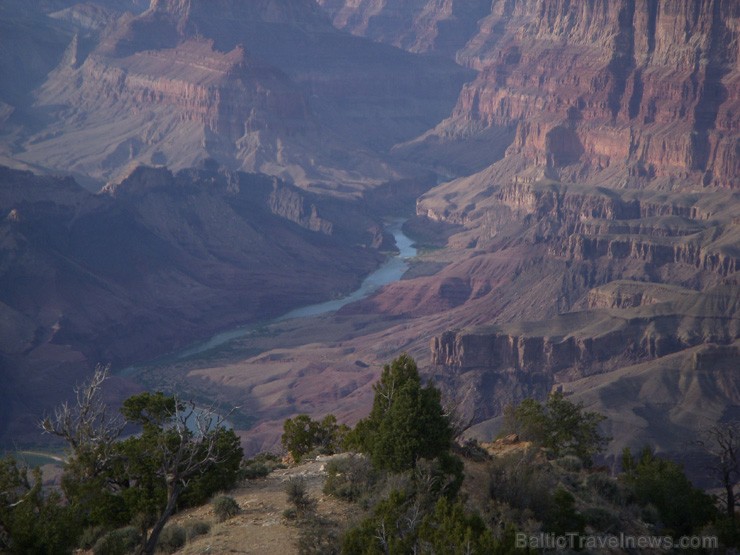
(569, 171)
(159, 259)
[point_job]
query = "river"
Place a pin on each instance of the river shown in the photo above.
(391, 270)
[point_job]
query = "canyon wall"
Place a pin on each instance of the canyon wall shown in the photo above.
(265, 86)
(595, 341)
(439, 27)
(650, 87)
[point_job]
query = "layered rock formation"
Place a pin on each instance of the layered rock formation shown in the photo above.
(649, 258)
(264, 86)
(440, 27)
(590, 341)
(588, 234)
(648, 88)
(613, 195)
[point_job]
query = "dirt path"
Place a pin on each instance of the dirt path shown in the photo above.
(261, 527)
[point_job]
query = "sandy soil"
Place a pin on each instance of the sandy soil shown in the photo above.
(261, 527)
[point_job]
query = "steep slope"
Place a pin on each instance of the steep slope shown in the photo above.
(628, 93)
(265, 86)
(155, 263)
(440, 27)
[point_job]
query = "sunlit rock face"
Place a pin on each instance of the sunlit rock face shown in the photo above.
(648, 88)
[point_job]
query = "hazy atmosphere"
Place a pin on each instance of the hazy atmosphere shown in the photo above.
(520, 208)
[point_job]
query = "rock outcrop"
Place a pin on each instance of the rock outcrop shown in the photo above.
(490, 368)
(596, 341)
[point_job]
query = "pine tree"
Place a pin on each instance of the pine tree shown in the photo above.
(407, 421)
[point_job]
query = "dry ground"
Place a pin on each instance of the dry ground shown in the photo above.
(261, 528)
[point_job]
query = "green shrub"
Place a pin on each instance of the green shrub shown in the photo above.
(450, 528)
(172, 538)
(522, 482)
(225, 507)
(472, 450)
(349, 478)
(298, 495)
(606, 487)
(602, 520)
(90, 535)
(302, 435)
(571, 463)
(683, 509)
(196, 528)
(255, 470)
(563, 516)
(117, 542)
(318, 536)
(259, 466)
(559, 425)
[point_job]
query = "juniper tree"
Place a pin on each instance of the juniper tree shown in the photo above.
(407, 421)
(180, 450)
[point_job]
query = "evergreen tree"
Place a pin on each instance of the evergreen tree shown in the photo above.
(32, 521)
(559, 425)
(182, 455)
(301, 435)
(407, 421)
(683, 509)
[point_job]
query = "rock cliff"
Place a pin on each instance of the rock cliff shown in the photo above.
(440, 27)
(591, 341)
(651, 88)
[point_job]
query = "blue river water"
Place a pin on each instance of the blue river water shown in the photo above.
(391, 270)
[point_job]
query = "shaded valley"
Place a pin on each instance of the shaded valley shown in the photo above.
(156, 262)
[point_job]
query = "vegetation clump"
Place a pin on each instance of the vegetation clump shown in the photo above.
(172, 538)
(181, 456)
(225, 507)
(298, 496)
(302, 436)
(117, 542)
(259, 466)
(681, 508)
(407, 439)
(407, 422)
(559, 425)
(350, 478)
(196, 528)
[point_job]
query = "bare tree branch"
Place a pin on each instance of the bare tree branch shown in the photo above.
(195, 451)
(722, 443)
(88, 421)
(87, 425)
